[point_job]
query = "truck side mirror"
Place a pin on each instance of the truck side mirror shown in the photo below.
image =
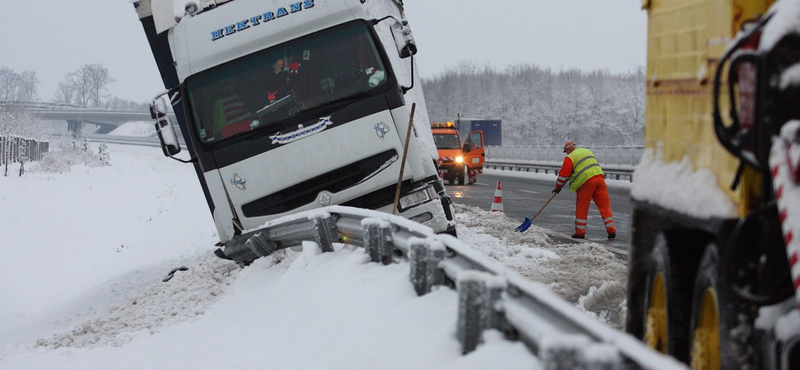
(403, 39)
(158, 108)
(167, 136)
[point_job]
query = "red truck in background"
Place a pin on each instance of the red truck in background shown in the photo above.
(457, 160)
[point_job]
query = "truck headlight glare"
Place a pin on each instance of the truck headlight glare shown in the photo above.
(459, 159)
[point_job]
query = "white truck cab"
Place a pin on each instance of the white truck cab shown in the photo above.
(287, 106)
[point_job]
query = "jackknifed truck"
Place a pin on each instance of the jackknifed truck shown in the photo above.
(288, 106)
(713, 273)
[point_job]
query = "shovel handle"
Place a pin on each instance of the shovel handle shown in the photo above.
(545, 205)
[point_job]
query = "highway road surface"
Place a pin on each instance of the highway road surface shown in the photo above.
(525, 196)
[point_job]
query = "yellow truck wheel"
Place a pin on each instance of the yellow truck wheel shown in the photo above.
(721, 339)
(666, 302)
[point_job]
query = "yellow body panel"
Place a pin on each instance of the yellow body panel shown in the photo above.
(685, 40)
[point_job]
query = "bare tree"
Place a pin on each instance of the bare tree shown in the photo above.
(8, 84)
(65, 92)
(26, 86)
(18, 86)
(99, 79)
(87, 85)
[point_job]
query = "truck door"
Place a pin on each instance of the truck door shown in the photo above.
(473, 149)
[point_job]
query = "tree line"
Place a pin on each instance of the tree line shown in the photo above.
(543, 107)
(87, 86)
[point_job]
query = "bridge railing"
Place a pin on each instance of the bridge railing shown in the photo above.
(40, 105)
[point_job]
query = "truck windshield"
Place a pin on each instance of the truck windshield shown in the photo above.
(446, 141)
(262, 90)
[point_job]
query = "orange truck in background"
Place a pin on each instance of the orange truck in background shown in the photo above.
(457, 160)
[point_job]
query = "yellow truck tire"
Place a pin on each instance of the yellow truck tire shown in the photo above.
(721, 324)
(666, 301)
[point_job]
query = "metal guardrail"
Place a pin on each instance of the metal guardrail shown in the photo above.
(491, 296)
(623, 156)
(611, 172)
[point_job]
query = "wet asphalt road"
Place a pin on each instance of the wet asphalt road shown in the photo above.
(524, 197)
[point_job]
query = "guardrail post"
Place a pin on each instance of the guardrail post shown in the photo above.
(377, 240)
(261, 245)
(424, 258)
(325, 232)
(478, 295)
(575, 351)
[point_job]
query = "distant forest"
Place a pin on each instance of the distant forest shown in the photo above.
(543, 107)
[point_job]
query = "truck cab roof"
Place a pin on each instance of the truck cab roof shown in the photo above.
(218, 34)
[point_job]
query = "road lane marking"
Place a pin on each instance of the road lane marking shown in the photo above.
(529, 191)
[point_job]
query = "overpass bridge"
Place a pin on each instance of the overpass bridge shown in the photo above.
(76, 116)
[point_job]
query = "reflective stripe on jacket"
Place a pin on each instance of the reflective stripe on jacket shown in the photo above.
(584, 167)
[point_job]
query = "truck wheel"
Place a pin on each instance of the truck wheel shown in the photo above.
(721, 325)
(462, 175)
(666, 302)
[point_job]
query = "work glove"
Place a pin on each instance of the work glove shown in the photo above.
(556, 190)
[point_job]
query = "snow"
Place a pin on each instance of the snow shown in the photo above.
(87, 251)
(135, 129)
(688, 191)
(790, 77)
(784, 21)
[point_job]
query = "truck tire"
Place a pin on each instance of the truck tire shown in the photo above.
(462, 175)
(721, 324)
(666, 301)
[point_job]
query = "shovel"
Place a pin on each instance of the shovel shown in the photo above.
(528, 221)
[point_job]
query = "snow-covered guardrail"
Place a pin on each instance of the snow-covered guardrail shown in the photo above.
(491, 296)
(611, 171)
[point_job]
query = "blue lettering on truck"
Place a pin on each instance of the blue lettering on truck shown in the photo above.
(261, 18)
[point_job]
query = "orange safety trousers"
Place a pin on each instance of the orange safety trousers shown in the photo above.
(593, 189)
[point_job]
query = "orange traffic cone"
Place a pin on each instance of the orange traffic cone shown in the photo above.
(497, 202)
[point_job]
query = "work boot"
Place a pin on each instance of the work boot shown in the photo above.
(612, 235)
(576, 236)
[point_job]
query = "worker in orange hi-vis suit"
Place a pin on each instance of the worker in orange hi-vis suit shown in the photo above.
(586, 178)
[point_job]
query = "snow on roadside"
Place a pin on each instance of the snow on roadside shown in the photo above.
(145, 128)
(97, 297)
(183, 297)
(585, 274)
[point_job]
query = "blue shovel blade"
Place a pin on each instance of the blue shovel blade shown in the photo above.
(525, 225)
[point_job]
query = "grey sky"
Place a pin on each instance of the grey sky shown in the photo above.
(54, 37)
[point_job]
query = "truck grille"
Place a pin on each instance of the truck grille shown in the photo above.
(306, 192)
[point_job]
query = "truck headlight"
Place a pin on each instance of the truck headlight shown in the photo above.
(418, 197)
(459, 159)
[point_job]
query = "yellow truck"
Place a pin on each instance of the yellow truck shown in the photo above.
(713, 266)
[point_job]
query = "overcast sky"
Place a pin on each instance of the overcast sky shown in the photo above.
(55, 37)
